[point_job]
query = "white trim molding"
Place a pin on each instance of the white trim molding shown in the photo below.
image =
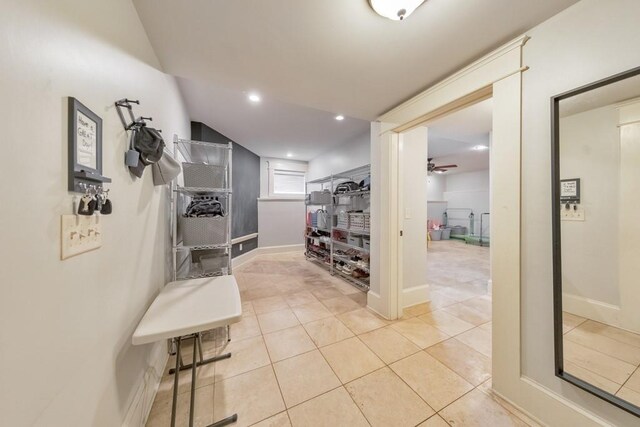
(244, 238)
(248, 256)
(592, 309)
(415, 295)
(497, 75)
(140, 407)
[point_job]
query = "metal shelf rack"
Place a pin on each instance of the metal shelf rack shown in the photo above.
(329, 183)
(183, 265)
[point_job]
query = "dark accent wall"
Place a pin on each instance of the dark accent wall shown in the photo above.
(246, 186)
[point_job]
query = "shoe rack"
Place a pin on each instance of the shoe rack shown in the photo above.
(342, 246)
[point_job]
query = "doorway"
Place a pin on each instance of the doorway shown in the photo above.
(497, 75)
(458, 208)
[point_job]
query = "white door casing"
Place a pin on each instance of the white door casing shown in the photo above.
(497, 74)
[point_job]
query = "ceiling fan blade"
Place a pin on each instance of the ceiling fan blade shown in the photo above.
(446, 166)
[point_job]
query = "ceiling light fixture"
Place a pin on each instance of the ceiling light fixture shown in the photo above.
(340, 117)
(396, 10)
(254, 97)
(439, 171)
(289, 154)
(480, 147)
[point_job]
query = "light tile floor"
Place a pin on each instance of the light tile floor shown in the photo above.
(308, 353)
(603, 355)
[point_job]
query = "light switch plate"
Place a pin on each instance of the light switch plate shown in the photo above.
(79, 234)
(571, 214)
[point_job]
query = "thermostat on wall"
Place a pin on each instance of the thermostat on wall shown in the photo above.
(570, 190)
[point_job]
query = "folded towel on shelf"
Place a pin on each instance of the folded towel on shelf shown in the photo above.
(204, 208)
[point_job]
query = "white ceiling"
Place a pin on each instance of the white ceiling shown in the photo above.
(452, 138)
(270, 128)
(331, 55)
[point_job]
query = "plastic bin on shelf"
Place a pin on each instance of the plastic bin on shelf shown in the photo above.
(203, 231)
(202, 175)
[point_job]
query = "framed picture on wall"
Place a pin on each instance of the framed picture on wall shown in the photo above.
(570, 190)
(85, 146)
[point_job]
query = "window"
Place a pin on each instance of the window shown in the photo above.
(288, 182)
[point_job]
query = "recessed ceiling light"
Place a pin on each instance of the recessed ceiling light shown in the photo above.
(289, 154)
(254, 97)
(480, 147)
(340, 117)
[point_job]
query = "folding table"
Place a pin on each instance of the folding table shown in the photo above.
(184, 309)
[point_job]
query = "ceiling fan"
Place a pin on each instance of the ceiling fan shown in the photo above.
(431, 167)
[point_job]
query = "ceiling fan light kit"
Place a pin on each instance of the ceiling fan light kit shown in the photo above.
(396, 10)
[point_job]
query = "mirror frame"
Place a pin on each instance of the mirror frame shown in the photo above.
(556, 233)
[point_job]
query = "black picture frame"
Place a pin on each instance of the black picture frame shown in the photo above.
(85, 147)
(574, 198)
(557, 244)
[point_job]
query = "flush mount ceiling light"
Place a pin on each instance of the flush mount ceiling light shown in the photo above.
(480, 147)
(397, 10)
(254, 97)
(340, 117)
(289, 154)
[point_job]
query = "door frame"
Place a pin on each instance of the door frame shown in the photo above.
(497, 75)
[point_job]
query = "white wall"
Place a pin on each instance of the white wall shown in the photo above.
(436, 185)
(587, 42)
(629, 229)
(350, 155)
(281, 221)
(470, 190)
(65, 326)
(590, 150)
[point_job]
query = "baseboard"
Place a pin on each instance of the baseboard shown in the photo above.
(142, 401)
(592, 309)
(374, 303)
(248, 256)
(244, 258)
(415, 295)
(281, 249)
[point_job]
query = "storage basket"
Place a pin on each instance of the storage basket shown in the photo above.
(366, 242)
(214, 263)
(355, 240)
(319, 197)
(458, 230)
(436, 234)
(356, 221)
(446, 233)
(204, 176)
(343, 220)
(203, 231)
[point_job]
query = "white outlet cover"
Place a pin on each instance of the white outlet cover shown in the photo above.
(79, 234)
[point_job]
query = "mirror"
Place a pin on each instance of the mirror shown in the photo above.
(596, 238)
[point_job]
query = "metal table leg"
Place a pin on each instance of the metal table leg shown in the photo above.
(194, 366)
(197, 349)
(175, 384)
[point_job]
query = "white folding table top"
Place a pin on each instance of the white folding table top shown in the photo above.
(190, 306)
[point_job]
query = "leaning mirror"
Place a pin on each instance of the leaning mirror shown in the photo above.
(596, 237)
